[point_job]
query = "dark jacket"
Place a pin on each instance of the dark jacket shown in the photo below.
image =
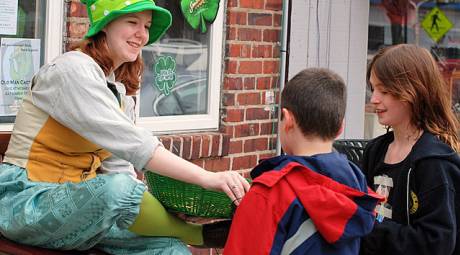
(303, 205)
(426, 201)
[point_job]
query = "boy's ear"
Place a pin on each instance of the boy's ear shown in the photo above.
(341, 129)
(288, 119)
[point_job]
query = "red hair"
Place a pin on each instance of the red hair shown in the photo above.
(129, 73)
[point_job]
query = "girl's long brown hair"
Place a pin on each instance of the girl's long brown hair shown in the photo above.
(411, 74)
(128, 73)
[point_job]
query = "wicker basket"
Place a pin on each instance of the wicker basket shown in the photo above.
(190, 199)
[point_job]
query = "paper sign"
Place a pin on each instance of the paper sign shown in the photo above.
(8, 17)
(20, 60)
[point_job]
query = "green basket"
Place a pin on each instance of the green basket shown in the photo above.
(190, 199)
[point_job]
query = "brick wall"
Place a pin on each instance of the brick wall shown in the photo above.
(248, 124)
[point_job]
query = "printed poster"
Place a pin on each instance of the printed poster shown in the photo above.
(8, 17)
(19, 61)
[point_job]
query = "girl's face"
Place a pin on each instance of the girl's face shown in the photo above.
(127, 35)
(390, 110)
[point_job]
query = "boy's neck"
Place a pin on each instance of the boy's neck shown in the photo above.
(309, 146)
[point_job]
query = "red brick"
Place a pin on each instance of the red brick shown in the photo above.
(225, 145)
(264, 82)
(272, 143)
(176, 145)
(276, 52)
(233, 50)
(250, 67)
(226, 129)
(277, 19)
(257, 114)
(187, 147)
(196, 146)
(244, 162)
(245, 51)
(76, 30)
(77, 10)
(228, 99)
(262, 51)
(215, 145)
(269, 128)
(234, 115)
(166, 141)
(249, 34)
(252, 4)
(231, 33)
(235, 147)
(231, 66)
(233, 83)
(276, 5)
(271, 67)
(248, 99)
(275, 84)
(217, 164)
(260, 19)
(245, 130)
(266, 155)
(271, 35)
(258, 144)
(198, 162)
(236, 18)
(205, 146)
(232, 3)
(238, 50)
(249, 83)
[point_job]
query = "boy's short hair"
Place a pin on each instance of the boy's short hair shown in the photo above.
(317, 99)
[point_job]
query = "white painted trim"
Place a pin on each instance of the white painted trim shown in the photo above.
(53, 29)
(210, 121)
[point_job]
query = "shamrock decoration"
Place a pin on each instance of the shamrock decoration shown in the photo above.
(165, 74)
(197, 12)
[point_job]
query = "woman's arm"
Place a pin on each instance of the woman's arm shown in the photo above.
(166, 163)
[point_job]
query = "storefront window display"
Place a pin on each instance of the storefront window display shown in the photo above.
(177, 74)
(433, 25)
(22, 31)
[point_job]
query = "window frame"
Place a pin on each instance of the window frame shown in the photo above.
(196, 122)
(53, 40)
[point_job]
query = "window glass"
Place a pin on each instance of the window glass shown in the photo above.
(432, 25)
(175, 79)
(22, 26)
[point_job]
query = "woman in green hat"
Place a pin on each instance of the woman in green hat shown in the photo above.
(68, 180)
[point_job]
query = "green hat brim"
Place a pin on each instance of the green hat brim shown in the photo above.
(161, 19)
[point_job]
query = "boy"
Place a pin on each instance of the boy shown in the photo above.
(311, 200)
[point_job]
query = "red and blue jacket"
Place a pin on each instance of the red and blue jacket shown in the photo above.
(303, 205)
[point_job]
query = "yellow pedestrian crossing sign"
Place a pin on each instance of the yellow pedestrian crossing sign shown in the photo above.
(436, 24)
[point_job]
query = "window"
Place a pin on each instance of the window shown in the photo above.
(425, 23)
(30, 35)
(182, 76)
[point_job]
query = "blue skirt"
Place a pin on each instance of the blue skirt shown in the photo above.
(93, 213)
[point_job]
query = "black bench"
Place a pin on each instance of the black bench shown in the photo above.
(352, 148)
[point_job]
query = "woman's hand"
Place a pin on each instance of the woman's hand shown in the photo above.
(166, 163)
(230, 182)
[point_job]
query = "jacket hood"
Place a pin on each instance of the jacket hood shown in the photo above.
(428, 146)
(332, 190)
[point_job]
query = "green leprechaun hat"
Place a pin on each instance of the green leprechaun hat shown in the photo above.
(101, 12)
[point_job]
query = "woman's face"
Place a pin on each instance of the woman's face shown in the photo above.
(127, 35)
(390, 110)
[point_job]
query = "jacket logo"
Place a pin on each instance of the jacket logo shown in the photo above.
(413, 203)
